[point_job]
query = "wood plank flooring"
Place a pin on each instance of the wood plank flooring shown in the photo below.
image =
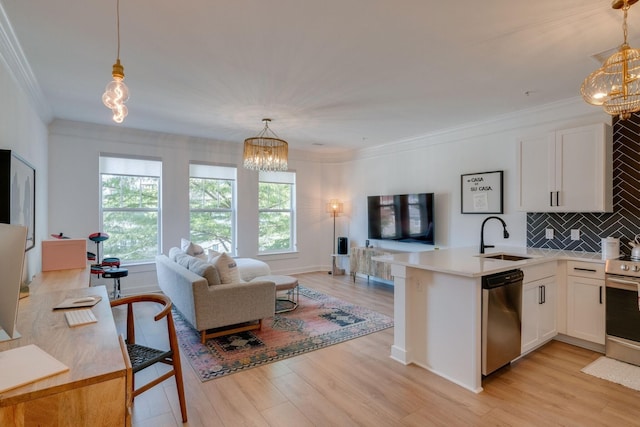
(356, 383)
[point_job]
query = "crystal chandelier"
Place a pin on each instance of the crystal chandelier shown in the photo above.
(616, 85)
(117, 93)
(264, 152)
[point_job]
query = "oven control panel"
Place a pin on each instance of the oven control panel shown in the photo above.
(623, 267)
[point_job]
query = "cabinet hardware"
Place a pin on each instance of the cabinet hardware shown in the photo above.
(544, 293)
(557, 198)
(589, 270)
(600, 294)
(550, 198)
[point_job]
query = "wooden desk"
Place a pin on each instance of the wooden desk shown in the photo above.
(93, 391)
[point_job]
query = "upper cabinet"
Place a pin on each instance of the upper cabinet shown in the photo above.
(569, 170)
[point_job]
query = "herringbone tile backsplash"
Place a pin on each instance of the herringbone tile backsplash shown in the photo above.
(624, 222)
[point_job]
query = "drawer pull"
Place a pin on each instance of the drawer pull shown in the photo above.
(588, 270)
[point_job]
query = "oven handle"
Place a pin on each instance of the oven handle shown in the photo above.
(628, 285)
(623, 343)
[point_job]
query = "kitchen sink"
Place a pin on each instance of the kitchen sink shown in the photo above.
(506, 257)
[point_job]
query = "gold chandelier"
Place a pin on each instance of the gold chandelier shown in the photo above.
(264, 152)
(117, 93)
(616, 85)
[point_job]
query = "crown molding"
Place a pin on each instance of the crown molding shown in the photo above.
(13, 57)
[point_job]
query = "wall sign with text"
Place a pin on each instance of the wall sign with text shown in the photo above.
(482, 193)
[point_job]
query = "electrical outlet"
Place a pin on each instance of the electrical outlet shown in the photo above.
(575, 234)
(548, 233)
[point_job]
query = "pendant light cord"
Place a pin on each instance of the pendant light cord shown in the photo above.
(118, 26)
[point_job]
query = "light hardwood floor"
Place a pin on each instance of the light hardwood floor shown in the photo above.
(356, 383)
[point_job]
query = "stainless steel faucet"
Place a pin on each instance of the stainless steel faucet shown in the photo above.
(505, 233)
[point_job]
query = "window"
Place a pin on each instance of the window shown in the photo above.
(212, 207)
(276, 211)
(130, 208)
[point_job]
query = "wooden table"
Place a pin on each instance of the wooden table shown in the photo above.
(93, 391)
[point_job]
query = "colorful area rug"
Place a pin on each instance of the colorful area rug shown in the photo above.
(319, 321)
(615, 371)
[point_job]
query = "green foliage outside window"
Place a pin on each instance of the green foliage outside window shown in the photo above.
(275, 217)
(211, 206)
(130, 215)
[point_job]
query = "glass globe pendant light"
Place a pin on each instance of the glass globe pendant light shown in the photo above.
(117, 93)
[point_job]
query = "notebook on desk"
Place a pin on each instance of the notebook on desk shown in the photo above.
(27, 364)
(78, 302)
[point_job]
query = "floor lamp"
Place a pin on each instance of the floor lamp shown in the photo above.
(334, 207)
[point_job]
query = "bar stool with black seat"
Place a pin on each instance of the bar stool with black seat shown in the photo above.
(115, 273)
(142, 357)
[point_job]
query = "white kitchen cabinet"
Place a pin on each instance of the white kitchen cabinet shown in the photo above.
(538, 312)
(586, 302)
(568, 170)
(539, 305)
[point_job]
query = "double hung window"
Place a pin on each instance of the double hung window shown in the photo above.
(212, 206)
(130, 207)
(276, 212)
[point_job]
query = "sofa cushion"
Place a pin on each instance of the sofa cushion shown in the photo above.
(206, 270)
(183, 260)
(227, 268)
(211, 254)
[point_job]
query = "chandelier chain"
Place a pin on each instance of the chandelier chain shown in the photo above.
(625, 30)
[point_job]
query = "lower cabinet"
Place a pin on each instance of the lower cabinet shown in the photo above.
(539, 312)
(586, 308)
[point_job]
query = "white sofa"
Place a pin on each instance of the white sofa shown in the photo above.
(213, 308)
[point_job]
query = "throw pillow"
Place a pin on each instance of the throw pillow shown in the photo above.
(174, 252)
(227, 269)
(205, 270)
(212, 254)
(192, 249)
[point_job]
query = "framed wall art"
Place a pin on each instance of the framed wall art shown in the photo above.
(481, 193)
(18, 193)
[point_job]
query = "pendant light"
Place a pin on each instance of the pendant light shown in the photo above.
(117, 93)
(616, 85)
(264, 152)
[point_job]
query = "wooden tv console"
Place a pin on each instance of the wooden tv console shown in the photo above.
(94, 390)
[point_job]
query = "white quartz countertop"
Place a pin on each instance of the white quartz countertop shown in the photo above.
(469, 262)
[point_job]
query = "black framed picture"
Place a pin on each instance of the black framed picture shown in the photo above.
(481, 193)
(18, 193)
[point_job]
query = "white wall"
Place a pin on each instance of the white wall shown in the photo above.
(435, 164)
(74, 192)
(22, 131)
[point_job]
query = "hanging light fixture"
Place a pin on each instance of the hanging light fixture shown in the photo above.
(264, 152)
(616, 85)
(117, 93)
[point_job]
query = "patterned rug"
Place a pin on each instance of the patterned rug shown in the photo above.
(319, 321)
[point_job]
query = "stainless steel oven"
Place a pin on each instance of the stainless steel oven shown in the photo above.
(622, 283)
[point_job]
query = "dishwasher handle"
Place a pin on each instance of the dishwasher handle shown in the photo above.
(502, 279)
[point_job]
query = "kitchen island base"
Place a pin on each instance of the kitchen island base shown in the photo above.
(438, 324)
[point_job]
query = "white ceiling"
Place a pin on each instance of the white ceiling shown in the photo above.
(332, 74)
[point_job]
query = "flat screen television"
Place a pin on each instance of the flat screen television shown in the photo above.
(402, 218)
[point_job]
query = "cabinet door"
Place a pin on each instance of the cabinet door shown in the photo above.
(539, 303)
(535, 173)
(586, 308)
(529, 329)
(547, 326)
(583, 169)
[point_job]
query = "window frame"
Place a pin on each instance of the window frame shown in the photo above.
(107, 167)
(224, 169)
(286, 178)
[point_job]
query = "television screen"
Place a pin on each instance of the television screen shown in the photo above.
(402, 217)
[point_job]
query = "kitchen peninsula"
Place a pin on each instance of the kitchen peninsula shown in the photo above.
(438, 305)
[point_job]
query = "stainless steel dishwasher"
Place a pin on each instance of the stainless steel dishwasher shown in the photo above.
(501, 319)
